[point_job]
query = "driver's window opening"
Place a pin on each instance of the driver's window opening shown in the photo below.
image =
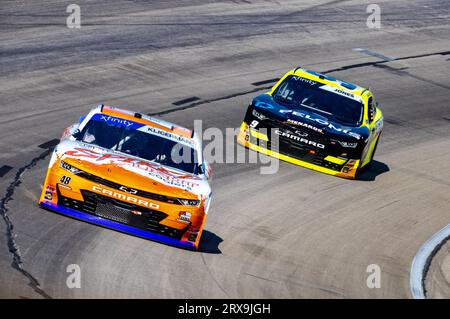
(134, 142)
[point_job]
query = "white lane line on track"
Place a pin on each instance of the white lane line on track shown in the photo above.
(422, 261)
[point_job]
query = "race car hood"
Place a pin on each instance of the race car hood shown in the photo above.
(305, 118)
(131, 171)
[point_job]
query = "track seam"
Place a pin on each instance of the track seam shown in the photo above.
(213, 277)
(14, 249)
(375, 63)
(226, 97)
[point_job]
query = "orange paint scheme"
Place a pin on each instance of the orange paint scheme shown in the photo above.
(140, 192)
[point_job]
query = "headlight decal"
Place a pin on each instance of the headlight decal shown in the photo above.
(69, 168)
(189, 202)
(259, 115)
(347, 144)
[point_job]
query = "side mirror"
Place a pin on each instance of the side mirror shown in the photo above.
(372, 112)
(372, 109)
(77, 135)
(82, 118)
(205, 169)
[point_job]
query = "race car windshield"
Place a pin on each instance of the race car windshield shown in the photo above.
(129, 140)
(299, 93)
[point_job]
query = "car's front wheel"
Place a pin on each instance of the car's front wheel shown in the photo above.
(364, 168)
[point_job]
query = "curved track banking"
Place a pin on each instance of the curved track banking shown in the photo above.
(293, 234)
(421, 265)
(437, 279)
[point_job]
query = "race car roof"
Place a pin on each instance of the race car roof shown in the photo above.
(147, 120)
(329, 80)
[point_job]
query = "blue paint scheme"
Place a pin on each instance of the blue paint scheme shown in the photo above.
(348, 85)
(265, 104)
(116, 226)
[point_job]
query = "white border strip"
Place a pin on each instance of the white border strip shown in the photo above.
(422, 260)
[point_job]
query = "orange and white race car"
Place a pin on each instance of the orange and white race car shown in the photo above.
(132, 173)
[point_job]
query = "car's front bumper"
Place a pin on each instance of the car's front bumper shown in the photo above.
(116, 225)
(251, 140)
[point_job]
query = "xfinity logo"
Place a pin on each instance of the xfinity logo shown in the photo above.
(123, 197)
(299, 139)
(111, 119)
(298, 78)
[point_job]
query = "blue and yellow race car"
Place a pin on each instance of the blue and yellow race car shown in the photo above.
(315, 121)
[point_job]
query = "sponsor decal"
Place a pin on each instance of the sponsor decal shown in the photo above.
(49, 191)
(116, 121)
(168, 135)
(342, 92)
(170, 180)
(142, 127)
(303, 124)
(184, 217)
(299, 139)
(154, 169)
(322, 122)
(127, 198)
(111, 157)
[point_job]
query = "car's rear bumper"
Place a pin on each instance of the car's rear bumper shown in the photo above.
(346, 171)
(117, 226)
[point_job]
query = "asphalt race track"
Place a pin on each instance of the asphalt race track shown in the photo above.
(293, 234)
